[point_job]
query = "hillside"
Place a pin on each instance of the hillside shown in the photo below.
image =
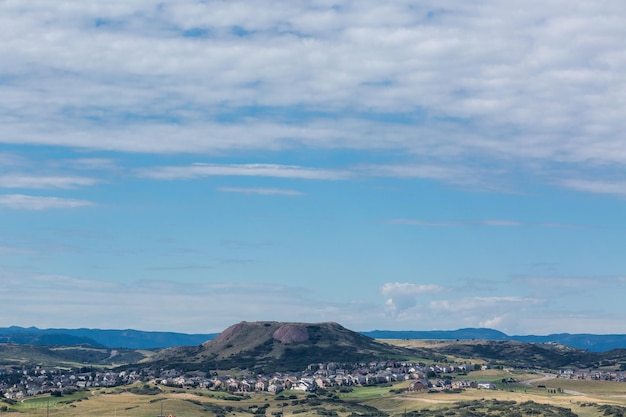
(12, 354)
(48, 339)
(591, 342)
(520, 354)
(130, 339)
(281, 346)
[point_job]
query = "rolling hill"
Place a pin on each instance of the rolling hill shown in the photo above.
(12, 354)
(281, 346)
(129, 339)
(591, 342)
(512, 353)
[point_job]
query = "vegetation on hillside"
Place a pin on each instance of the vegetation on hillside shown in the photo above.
(66, 356)
(532, 355)
(496, 408)
(254, 346)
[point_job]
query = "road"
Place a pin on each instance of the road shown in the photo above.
(548, 377)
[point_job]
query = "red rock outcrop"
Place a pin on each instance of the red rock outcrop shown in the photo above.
(291, 333)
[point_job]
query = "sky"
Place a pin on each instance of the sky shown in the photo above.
(404, 165)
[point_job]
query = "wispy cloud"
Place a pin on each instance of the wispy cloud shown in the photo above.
(247, 170)
(563, 283)
(481, 303)
(446, 172)
(92, 164)
(50, 300)
(599, 186)
(42, 182)
(476, 84)
(195, 267)
(488, 222)
(7, 250)
(28, 202)
(260, 191)
(240, 244)
(506, 313)
(11, 160)
(569, 283)
(407, 288)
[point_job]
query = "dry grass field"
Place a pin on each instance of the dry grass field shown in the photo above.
(429, 344)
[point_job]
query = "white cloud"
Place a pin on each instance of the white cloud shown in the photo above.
(497, 322)
(92, 164)
(599, 322)
(563, 284)
(460, 309)
(28, 202)
(395, 288)
(455, 174)
(257, 170)
(531, 83)
(610, 187)
(500, 223)
(9, 159)
(41, 182)
(507, 313)
(260, 191)
(486, 222)
(404, 296)
(471, 304)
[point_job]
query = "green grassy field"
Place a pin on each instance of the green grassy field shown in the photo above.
(43, 402)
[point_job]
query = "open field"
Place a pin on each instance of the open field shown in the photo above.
(601, 389)
(66, 357)
(431, 344)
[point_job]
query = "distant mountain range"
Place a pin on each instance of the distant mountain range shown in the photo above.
(136, 339)
(130, 339)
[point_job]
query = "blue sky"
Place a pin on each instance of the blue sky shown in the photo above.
(182, 166)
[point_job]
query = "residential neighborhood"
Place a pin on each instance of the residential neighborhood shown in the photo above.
(592, 375)
(29, 381)
(20, 383)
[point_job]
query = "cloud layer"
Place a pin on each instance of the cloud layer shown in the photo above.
(27, 202)
(541, 84)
